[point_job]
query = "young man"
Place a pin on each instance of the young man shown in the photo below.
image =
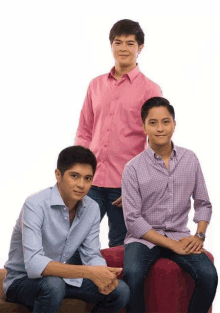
(52, 225)
(110, 124)
(156, 189)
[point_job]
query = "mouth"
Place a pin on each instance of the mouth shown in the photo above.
(78, 192)
(160, 136)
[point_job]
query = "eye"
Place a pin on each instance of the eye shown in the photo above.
(74, 175)
(166, 122)
(152, 123)
(88, 178)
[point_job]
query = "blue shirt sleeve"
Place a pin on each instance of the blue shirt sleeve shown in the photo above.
(90, 248)
(35, 260)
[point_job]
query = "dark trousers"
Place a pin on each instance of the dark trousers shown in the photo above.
(45, 295)
(104, 197)
(137, 260)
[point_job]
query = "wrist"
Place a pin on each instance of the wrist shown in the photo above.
(200, 235)
(171, 243)
(88, 272)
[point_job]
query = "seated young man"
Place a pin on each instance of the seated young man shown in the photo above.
(51, 226)
(156, 189)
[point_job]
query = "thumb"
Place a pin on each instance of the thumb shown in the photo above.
(115, 269)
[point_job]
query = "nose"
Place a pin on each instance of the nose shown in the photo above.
(81, 182)
(123, 46)
(159, 127)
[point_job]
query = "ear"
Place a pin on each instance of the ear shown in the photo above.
(143, 127)
(58, 175)
(140, 48)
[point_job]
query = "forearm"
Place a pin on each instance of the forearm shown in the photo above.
(158, 239)
(66, 270)
(202, 226)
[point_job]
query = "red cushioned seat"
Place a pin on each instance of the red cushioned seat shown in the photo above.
(168, 288)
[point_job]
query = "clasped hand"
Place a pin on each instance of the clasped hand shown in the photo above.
(105, 278)
(189, 245)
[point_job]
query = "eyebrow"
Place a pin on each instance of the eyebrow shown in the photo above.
(131, 41)
(80, 174)
(154, 119)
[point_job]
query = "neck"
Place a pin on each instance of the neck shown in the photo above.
(71, 204)
(120, 70)
(163, 151)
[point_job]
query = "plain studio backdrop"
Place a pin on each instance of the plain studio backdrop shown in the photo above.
(50, 51)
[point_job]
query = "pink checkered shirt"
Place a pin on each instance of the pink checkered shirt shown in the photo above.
(110, 122)
(155, 198)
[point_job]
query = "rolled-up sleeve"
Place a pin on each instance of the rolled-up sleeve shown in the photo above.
(132, 204)
(84, 131)
(90, 248)
(202, 205)
(35, 260)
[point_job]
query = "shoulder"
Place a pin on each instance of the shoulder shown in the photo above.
(186, 154)
(40, 197)
(150, 83)
(99, 79)
(91, 205)
(135, 162)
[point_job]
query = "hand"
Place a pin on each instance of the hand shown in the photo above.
(104, 277)
(118, 202)
(110, 287)
(177, 247)
(192, 244)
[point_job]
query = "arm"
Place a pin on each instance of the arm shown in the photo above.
(203, 212)
(34, 256)
(89, 250)
(84, 131)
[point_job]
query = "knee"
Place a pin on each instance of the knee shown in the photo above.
(209, 278)
(133, 274)
(53, 287)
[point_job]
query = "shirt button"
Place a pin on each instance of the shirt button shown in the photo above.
(64, 262)
(66, 217)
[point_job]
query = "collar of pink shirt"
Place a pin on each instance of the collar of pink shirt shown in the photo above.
(131, 75)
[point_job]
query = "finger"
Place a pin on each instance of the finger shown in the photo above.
(116, 270)
(190, 246)
(195, 248)
(199, 247)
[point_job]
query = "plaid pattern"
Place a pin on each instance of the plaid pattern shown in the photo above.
(154, 197)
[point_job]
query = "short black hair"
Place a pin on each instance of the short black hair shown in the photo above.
(127, 27)
(73, 155)
(156, 102)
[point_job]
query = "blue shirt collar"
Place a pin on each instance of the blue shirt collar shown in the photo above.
(57, 201)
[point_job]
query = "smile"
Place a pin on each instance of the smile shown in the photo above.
(78, 192)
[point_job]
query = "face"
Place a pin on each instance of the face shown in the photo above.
(159, 126)
(125, 50)
(75, 182)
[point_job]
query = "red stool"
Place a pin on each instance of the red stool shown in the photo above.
(168, 288)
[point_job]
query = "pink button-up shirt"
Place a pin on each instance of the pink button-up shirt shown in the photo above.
(110, 122)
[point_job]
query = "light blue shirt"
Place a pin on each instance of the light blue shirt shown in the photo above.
(43, 233)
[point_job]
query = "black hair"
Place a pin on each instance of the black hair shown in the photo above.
(73, 155)
(156, 102)
(127, 27)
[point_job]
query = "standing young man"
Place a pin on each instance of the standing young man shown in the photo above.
(110, 123)
(52, 225)
(156, 189)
